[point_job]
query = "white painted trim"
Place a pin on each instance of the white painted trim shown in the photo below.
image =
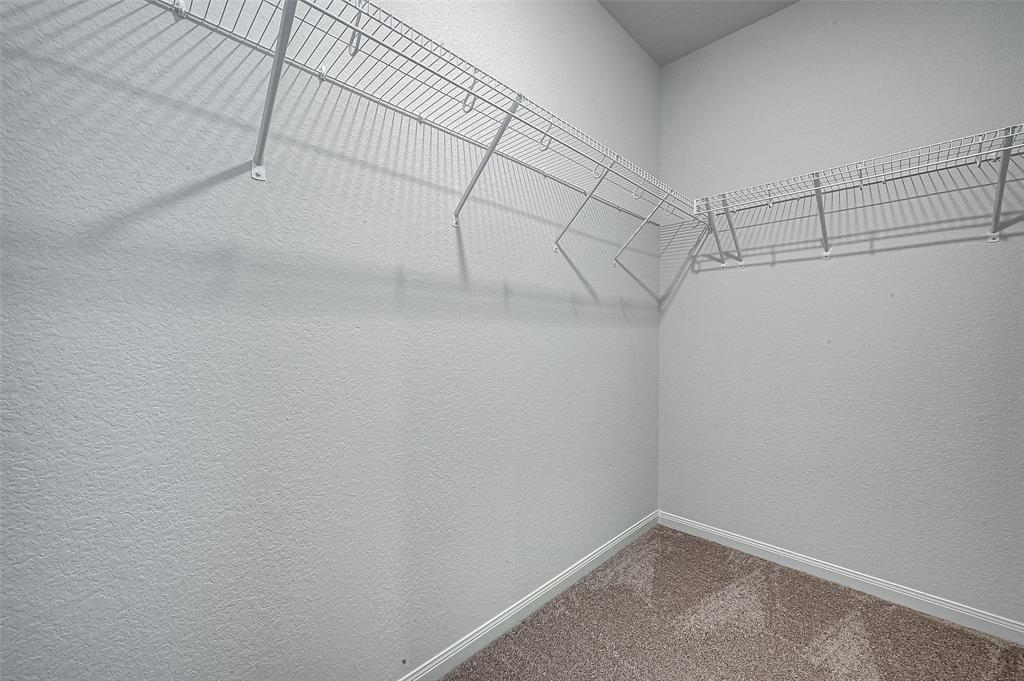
(961, 614)
(460, 651)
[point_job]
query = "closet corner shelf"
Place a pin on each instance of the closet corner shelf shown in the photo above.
(359, 47)
(995, 146)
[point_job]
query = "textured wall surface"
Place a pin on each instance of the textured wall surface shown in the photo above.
(864, 411)
(297, 429)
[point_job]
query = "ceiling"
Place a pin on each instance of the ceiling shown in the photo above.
(669, 29)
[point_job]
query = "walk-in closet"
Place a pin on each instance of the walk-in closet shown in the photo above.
(512, 340)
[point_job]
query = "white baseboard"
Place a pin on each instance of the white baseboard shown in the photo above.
(959, 613)
(460, 651)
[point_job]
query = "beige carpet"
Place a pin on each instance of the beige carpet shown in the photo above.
(674, 607)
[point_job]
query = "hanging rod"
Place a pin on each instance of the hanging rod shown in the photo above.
(359, 47)
(995, 146)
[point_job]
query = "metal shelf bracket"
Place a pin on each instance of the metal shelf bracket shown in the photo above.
(258, 170)
(646, 220)
(486, 158)
(1004, 167)
(826, 252)
(732, 229)
(586, 200)
(714, 232)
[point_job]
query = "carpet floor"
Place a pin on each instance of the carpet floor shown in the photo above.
(671, 606)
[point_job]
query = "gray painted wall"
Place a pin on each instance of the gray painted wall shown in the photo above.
(864, 411)
(292, 430)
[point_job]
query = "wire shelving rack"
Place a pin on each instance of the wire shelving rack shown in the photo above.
(363, 49)
(995, 146)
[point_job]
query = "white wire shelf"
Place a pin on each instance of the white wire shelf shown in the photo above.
(978, 148)
(359, 47)
(995, 146)
(363, 49)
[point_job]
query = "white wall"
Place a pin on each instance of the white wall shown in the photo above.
(864, 411)
(291, 430)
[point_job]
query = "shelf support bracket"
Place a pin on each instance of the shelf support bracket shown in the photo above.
(650, 216)
(825, 250)
(1004, 167)
(732, 230)
(714, 232)
(258, 171)
(586, 200)
(485, 159)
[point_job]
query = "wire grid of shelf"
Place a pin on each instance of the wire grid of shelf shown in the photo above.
(978, 148)
(360, 47)
(363, 49)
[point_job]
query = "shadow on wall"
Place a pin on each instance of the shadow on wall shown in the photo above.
(253, 423)
(338, 160)
(944, 207)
